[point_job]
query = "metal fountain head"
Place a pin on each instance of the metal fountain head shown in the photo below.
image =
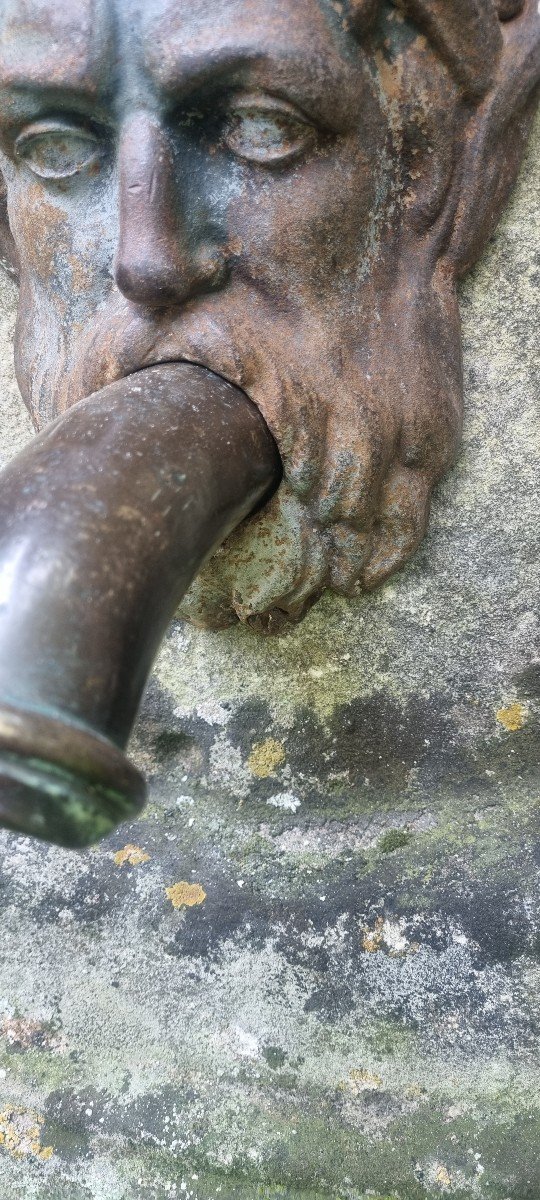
(275, 197)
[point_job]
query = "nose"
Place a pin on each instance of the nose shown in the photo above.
(160, 261)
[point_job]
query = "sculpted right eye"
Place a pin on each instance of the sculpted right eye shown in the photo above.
(56, 151)
(266, 131)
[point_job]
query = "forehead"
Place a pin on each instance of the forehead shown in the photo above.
(55, 42)
(308, 26)
(77, 42)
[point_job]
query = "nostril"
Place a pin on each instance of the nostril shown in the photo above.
(155, 282)
(213, 267)
(507, 9)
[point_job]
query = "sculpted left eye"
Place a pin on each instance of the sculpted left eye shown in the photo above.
(267, 134)
(57, 152)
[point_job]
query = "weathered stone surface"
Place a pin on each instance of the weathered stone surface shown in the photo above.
(313, 969)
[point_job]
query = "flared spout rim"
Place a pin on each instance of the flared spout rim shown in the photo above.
(63, 783)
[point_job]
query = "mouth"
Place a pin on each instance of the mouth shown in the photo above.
(231, 380)
(176, 360)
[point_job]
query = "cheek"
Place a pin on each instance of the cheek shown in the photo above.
(40, 231)
(64, 251)
(301, 230)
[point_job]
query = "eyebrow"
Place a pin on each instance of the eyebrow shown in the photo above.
(21, 100)
(51, 76)
(321, 89)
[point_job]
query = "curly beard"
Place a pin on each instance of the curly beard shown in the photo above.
(365, 408)
(364, 435)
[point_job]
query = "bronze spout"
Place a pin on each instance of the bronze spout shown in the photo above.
(105, 519)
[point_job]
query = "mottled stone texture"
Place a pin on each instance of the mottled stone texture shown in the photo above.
(312, 970)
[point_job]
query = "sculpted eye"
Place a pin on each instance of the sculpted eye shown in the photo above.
(266, 131)
(56, 151)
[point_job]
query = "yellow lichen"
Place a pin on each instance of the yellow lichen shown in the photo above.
(361, 1081)
(443, 1178)
(389, 937)
(132, 855)
(513, 717)
(266, 757)
(372, 939)
(186, 895)
(20, 1134)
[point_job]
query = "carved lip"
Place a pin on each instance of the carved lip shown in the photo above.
(183, 360)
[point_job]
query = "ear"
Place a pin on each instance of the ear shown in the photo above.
(9, 258)
(496, 137)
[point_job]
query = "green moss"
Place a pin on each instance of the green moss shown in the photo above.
(389, 1038)
(275, 1057)
(395, 839)
(40, 1068)
(316, 1159)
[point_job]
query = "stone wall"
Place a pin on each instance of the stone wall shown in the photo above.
(313, 968)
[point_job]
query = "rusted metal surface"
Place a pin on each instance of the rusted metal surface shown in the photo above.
(105, 518)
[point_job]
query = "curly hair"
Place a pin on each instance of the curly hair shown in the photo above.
(466, 33)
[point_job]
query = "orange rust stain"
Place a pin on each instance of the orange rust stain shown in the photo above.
(24, 1033)
(513, 717)
(132, 855)
(185, 895)
(44, 229)
(81, 274)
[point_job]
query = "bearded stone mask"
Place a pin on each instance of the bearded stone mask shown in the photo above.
(285, 192)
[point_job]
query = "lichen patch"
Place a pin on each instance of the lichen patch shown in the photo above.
(20, 1134)
(266, 757)
(443, 1178)
(186, 895)
(513, 717)
(388, 937)
(23, 1033)
(133, 855)
(360, 1080)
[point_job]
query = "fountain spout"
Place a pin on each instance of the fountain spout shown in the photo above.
(105, 519)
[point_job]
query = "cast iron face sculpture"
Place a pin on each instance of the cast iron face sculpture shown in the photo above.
(286, 192)
(283, 193)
